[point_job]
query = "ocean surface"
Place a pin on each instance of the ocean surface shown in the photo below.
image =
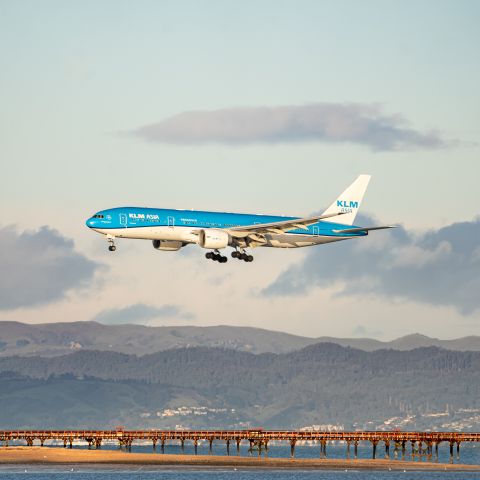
(469, 453)
(137, 473)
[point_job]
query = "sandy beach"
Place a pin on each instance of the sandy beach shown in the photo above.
(39, 455)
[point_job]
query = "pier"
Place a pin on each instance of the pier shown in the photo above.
(402, 443)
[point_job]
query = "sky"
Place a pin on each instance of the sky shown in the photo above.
(257, 107)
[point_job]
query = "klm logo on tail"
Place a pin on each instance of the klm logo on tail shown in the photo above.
(347, 204)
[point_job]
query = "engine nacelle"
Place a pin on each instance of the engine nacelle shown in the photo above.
(213, 238)
(167, 245)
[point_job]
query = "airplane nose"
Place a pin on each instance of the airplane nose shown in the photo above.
(90, 222)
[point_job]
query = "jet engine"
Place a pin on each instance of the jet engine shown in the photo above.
(213, 238)
(167, 245)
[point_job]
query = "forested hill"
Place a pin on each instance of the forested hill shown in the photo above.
(322, 383)
(213, 365)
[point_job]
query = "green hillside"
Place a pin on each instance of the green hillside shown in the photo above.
(320, 384)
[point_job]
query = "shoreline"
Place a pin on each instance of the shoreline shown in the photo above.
(60, 456)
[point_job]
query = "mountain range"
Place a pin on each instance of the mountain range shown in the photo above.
(51, 339)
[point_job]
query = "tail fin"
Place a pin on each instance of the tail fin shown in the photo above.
(349, 201)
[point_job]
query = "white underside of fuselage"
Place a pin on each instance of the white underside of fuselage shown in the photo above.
(188, 235)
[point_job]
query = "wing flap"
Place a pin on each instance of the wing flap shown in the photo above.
(279, 227)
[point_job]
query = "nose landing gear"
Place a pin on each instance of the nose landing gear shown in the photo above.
(111, 243)
(216, 257)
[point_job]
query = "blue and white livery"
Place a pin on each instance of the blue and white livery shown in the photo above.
(171, 230)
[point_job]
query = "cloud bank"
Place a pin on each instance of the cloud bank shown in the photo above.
(334, 123)
(39, 267)
(140, 313)
(440, 267)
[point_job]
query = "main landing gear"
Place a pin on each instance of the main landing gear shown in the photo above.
(216, 257)
(242, 256)
(111, 243)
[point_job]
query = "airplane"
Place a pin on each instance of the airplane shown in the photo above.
(171, 230)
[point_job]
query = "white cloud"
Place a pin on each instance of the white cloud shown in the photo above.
(417, 257)
(39, 267)
(140, 313)
(437, 268)
(364, 124)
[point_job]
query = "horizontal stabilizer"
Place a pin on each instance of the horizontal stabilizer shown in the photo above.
(364, 229)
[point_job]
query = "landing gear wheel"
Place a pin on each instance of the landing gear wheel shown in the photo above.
(249, 258)
(111, 243)
(235, 254)
(216, 257)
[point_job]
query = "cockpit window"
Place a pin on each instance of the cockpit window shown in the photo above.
(98, 216)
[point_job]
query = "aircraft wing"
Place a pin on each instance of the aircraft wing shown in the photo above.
(277, 227)
(360, 229)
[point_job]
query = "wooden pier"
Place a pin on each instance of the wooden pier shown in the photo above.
(414, 443)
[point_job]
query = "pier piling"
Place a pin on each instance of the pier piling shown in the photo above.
(292, 447)
(374, 449)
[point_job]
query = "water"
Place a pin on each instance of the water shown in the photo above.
(85, 473)
(470, 453)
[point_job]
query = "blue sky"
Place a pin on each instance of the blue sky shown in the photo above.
(79, 77)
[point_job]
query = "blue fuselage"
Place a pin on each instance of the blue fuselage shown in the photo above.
(137, 217)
